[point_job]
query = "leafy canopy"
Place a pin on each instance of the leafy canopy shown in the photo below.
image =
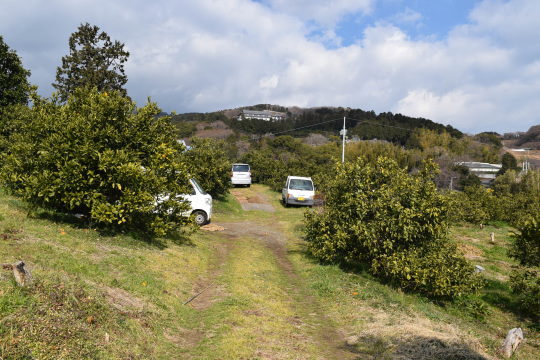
(208, 163)
(378, 215)
(101, 156)
(509, 162)
(14, 86)
(93, 61)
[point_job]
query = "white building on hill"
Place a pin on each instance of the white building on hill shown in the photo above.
(485, 171)
(266, 115)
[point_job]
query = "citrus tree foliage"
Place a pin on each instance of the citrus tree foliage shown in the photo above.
(11, 122)
(274, 159)
(100, 156)
(14, 86)
(394, 223)
(526, 246)
(509, 162)
(525, 282)
(208, 162)
(513, 197)
(475, 204)
(93, 61)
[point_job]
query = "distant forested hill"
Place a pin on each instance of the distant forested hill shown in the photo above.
(366, 125)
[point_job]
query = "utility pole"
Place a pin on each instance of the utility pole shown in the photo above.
(526, 165)
(452, 182)
(343, 132)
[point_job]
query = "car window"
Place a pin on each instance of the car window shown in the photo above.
(240, 168)
(301, 184)
(196, 184)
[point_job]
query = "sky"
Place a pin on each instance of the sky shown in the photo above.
(473, 64)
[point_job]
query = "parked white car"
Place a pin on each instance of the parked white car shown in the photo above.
(241, 174)
(298, 191)
(200, 202)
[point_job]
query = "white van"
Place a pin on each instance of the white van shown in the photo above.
(241, 174)
(298, 191)
(200, 202)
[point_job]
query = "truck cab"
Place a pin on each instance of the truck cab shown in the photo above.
(298, 190)
(201, 203)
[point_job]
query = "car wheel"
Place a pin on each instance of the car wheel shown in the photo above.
(200, 217)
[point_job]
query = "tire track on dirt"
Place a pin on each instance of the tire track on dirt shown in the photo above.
(207, 290)
(309, 312)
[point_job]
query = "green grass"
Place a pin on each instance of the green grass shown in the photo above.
(73, 271)
(89, 287)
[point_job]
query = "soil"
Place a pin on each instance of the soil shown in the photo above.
(252, 201)
(123, 300)
(212, 227)
(206, 290)
(471, 252)
(309, 311)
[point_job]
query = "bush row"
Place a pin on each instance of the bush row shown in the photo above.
(394, 223)
(97, 155)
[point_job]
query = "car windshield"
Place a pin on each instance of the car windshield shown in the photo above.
(301, 184)
(240, 168)
(199, 188)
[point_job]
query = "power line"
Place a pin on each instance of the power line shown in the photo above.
(329, 121)
(390, 126)
(299, 128)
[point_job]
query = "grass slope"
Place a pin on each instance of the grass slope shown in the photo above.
(259, 295)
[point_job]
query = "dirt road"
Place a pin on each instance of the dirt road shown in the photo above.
(296, 326)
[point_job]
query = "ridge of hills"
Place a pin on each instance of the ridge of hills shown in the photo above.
(365, 125)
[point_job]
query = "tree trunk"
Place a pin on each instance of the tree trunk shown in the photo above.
(514, 337)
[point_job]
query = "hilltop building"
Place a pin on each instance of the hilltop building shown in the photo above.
(485, 171)
(266, 115)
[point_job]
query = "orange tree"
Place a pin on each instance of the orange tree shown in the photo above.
(101, 156)
(526, 249)
(394, 223)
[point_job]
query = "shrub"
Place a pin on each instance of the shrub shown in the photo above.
(526, 246)
(100, 156)
(265, 168)
(526, 284)
(207, 161)
(395, 223)
(277, 158)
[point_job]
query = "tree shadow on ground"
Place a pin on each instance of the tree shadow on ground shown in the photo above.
(498, 294)
(348, 267)
(61, 218)
(178, 237)
(413, 348)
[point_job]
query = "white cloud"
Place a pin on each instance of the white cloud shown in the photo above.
(408, 16)
(209, 55)
(269, 82)
(325, 13)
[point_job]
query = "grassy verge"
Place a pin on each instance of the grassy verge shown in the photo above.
(103, 297)
(93, 296)
(388, 322)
